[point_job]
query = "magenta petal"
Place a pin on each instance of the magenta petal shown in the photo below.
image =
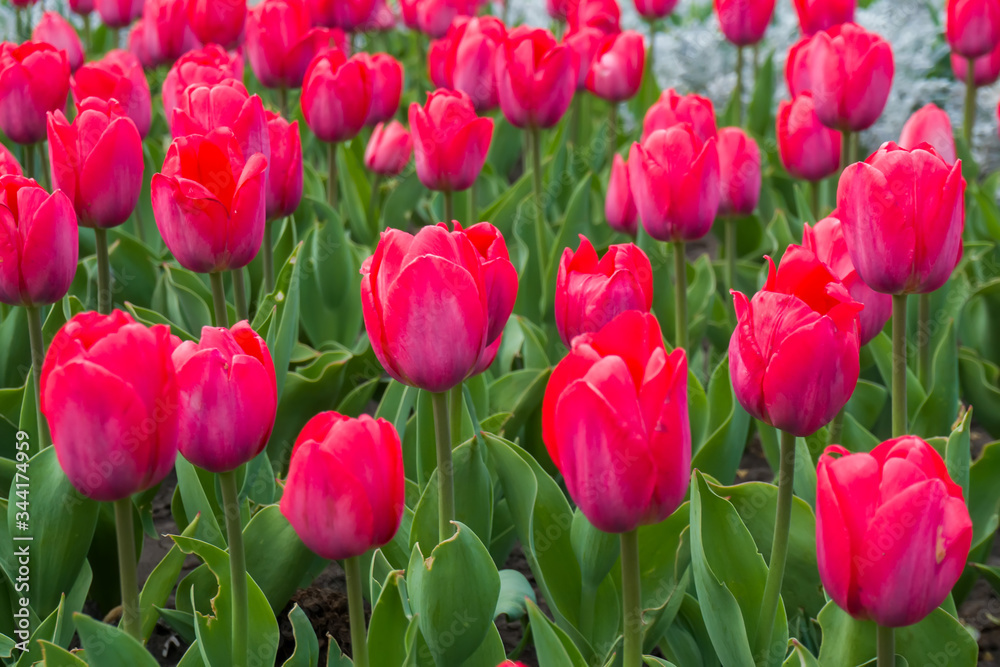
(111, 179)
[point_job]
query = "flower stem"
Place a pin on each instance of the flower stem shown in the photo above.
(237, 565)
(268, 248)
(898, 365)
(219, 300)
(283, 97)
(970, 102)
(536, 159)
(814, 198)
(356, 611)
(651, 51)
(455, 408)
(576, 120)
(126, 568)
(87, 38)
(631, 602)
(472, 204)
(845, 150)
(731, 251)
(924, 339)
(680, 295)
(37, 357)
(373, 221)
(240, 295)
(738, 91)
(29, 161)
(446, 489)
(137, 221)
(612, 133)
(779, 545)
(449, 207)
(886, 647)
(331, 183)
(103, 272)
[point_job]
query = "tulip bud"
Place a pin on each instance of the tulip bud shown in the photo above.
(39, 252)
(167, 32)
(280, 58)
(536, 77)
(557, 9)
(816, 15)
(930, 125)
(744, 22)
(9, 163)
(386, 76)
(673, 109)
(205, 107)
(109, 392)
(652, 10)
(215, 21)
(797, 67)
(118, 13)
(119, 76)
(675, 179)
(34, 80)
(892, 530)
(470, 59)
(605, 15)
(389, 149)
(739, 172)
(619, 206)
(973, 26)
(615, 422)
(53, 29)
(138, 45)
(209, 65)
(349, 15)
(616, 72)
(284, 173)
(228, 397)
(81, 7)
(777, 375)
(985, 69)
(450, 142)
(345, 491)
(336, 96)
(584, 44)
(903, 212)
(437, 63)
(808, 149)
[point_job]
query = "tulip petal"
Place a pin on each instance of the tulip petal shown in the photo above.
(111, 178)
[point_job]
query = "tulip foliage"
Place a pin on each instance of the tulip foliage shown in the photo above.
(417, 333)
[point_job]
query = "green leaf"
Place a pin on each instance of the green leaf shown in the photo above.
(519, 393)
(334, 656)
(984, 494)
(389, 621)
(596, 551)
(881, 349)
(403, 199)
(980, 387)
(958, 453)
(194, 495)
(759, 120)
(107, 646)
(276, 557)
(515, 592)
(553, 647)
(799, 656)
(728, 422)
(55, 656)
(652, 661)
(939, 409)
(161, 581)
(306, 653)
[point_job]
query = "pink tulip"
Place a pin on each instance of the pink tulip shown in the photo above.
(619, 206)
(435, 17)
(470, 59)
(284, 174)
(672, 109)
(348, 15)
(450, 141)
(816, 15)
(81, 7)
(798, 65)
(605, 15)
(744, 22)
(386, 75)
(9, 163)
(337, 95)
(138, 45)
(167, 33)
(557, 9)
(437, 63)
(616, 72)
(280, 58)
(739, 172)
(985, 69)
(536, 77)
(389, 149)
(205, 107)
(34, 80)
(119, 76)
(217, 21)
(973, 26)
(930, 125)
(118, 13)
(584, 44)
(208, 65)
(808, 149)
(53, 29)
(652, 10)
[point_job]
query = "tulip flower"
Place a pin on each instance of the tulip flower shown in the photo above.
(386, 74)
(584, 43)
(280, 58)
(336, 95)
(744, 22)
(53, 29)
(930, 125)
(348, 15)
(817, 15)
(81, 7)
(739, 172)
(973, 26)
(118, 13)
(985, 69)
(435, 17)
(97, 162)
(808, 149)
(616, 72)
(536, 78)
(389, 149)
(167, 33)
(138, 45)
(892, 530)
(798, 66)
(437, 63)
(284, 183)
(215, 22)
(619, 205)
(34, 80)
(204, 107)
(470, 59)
(209, 65)
(450, 142)
(557, 9)
(118, 76)
(673, 109)
(9, 163)
(604, 15)
(652, 10)
(209, 204)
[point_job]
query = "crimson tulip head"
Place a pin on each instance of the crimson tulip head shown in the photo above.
(280, 58)
(109, 392)
(137, 45)
(673, 109)
(345, 491)
(386, 74)
(208, 65)
(892, 530)
(808, 149)
(204, 107)
(38, 243)
(119, 76)
(816, 15)
(284, 173)
(81, 7)
(436, 302)
(652, 10)
(389, 149)
(34, 80)
(590, 292)
(450, 141)
(437, 63)
(903, 213)
(557, 9)
(470, 59)
(216, 21)
(97, 162)
(605, 15)
(53, 29)
(973, 26)
(336, 95)
(826, 240)
(166, 31)
(615, 422)
(739, 172)
(228, 397)
(744, 22)
(536, 76)
(9, 163)
(777, 375)
(675, 178)
(619, 205)
(931, 125)
(348, 15)
(616, 72)
(798, 66)
(118, 13)
(209, 203)
(985, 69)
(584, 44)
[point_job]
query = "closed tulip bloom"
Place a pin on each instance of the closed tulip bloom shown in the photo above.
(615, 422)
(167, 32)
(209, 204)
(437, 63)
(345, 492)
(38, 243)
(284, 174)
(97, 162)
(471, 59)
(584, 43)
(616, 72)
(109, 392)
(205, 107)
(348, 15)
(808, 149)
(744, 22)
(138, 45)
(673, 109)
(34, 80)
(228, 397)
(619, 205)
(798, 66)
(435, 17)
(450, 141)
(215, 21)
(931, 125)
(739, 172)
(604, 15)
(557, 9)
(208, 65)
(386, 74)
(655, 9)
(336, 96)
(117, 76)
(53, 29)
(389, 149)
(81, 7)
(892, 530)
(816, 15)
(985, 69)
(973, 26)
(118, 13)
(280, 58)
(590, 292)
(851, 73)
(675, 179)
(536, 78)
(9, 163)
(434, 303)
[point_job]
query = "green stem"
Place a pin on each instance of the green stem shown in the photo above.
(103, 272)
(886, 646)
(29, 162)
(449, 207)
(373, 221)
(738, 92)
(631, 602)
(219, 300)
(680, 295)
(472, 204)
(139, 232)
(240, 295)
(37, 357)
(268, 248)
(731, 251)
(970, 102)
(536, 168)
(87, 39)
(898, 365)
(237, 565)
(588, 600)
(837, 427)
(756, 61)
(356, 611)
(283, 98)
(446, 488)
(331, 183)
(612, 134)
(924, 339)
(651, 51)
(814, 198)
(576, 120)
(779, 546)
(455, 411)
(845, 150)
(131, 621)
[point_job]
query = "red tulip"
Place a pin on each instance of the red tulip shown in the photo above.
(336, 95)
(798, 76)
(228, 397)
(985, 69)
(345, 491)
(557, 9)
(605, 15)
(591, 292)
(389, 149)
(34, 80)
(20, 4)
(118, 13)
(217, 21)
(97, 162)
(816, 15)
(808, 149)
(437, 63)
(38, 243)
(349, 15)
(584, 44)
(652, 10)
(53, 29)
(382, 18)
(119, 76)
(930, 125)
(903, 213)
(777, 374)
(435, 17)
(109, 392)
(208, 65)
(138, 45)
(536, 77)
(615, 422)
(673, 109)
(280, 58)
(892, 530)
(616, 72)
(9, 163)
(973, 26)
(744, 22)
(81, 7)
(209, 205)
(205, 107)
(739, 172)
(166, 30)
(284, 174)
(470, 59)
(675, 182)
(619, 206)
(435, 303)
(450, 142)
(851, 73)
(386, 76)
